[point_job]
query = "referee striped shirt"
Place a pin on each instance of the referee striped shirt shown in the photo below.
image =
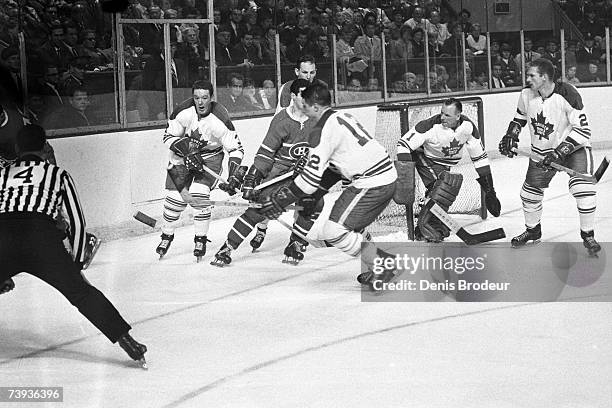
(34, 186)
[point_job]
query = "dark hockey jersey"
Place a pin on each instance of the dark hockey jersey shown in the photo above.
(285, 142)
(552, 120)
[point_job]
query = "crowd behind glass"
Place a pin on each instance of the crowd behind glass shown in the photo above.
(87, 69)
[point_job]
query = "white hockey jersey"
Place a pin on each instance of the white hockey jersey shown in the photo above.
(340, 141)
(443, 145)
(554, 119)
(214, 131)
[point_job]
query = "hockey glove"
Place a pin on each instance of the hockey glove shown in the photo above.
(235, 181)
(274, 205)
(7, 286)
(181, 146)
(556, 156)
(194, 161)
(509, 143)
(491, 200)
(251, 180)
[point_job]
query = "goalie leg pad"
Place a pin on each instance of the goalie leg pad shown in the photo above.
(404, 186)
(443, 193)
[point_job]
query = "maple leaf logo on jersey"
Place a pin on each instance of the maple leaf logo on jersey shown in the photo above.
(542, 128)
(452, 149)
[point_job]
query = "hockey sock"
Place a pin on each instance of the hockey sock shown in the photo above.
(201, 219)
(173, 207)
(342, 238)
(532, 204)
(586, 200)
(241, 229)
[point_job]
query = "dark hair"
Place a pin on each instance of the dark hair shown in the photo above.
(317, 93)
(30, 138)
(304, 58)
(202, 84)
(456, 102)
(234, 75)
(297, 85)
(544, 66)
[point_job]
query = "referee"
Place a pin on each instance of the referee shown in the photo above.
(32, 193)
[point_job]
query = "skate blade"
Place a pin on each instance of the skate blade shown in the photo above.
(198, 259)
(218, 264)
(93, 253)
(530, 243)
(291, 261)
(143, 364)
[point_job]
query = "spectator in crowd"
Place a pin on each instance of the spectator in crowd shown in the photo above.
(251, 96)
(74, 77)
(151, 34)
(453, 46)
(591, 25)
(72, 114)
(495, 50)
(268, 94)
(570, 75)
(49, 90)
(553, 54)
(321, 50)
(223, 55)
(11, 85)
(299, 47)
(55, 52)
(245, 54)
(236, 26)
(319, 9)
(508, 65)
(476, 41)
(529, 53)
(9, 31)
(268, 47)
(570, 53)
(379, 15)
(402, 48)
(325, 27)
(442, 77)
(464, 21)
(592, 74)
(480, 81)
(344, 51)
(409, 82)
(234, 99)
(497, 81)
(71, 39)
(418, 43)
(437, 32)
(588, 51)
(369, 49)
(417, 20)
(250, 24)
(97, 58)
(354, 85)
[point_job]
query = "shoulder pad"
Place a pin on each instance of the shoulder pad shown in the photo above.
(570, 94)
(426, 124)
(222, 114)
(186, 104)
(315, 137)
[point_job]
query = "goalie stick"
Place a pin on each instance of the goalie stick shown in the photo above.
(592, 178)
(469, 239)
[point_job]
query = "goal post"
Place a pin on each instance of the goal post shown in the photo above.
(395, 119)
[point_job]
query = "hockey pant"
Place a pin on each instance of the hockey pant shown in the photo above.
(537, 180)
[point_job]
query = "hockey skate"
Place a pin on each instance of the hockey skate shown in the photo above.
(367, 279)
(293, 252)
(7, 286)
(134, 349)
(164, 245)
(531, 234)
(222, 257)
(200, 246)
(258, 239)
(588, 240)
(91, 247)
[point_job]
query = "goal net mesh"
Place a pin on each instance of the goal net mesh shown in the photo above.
(394, 120)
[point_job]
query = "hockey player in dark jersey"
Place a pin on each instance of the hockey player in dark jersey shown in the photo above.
(11, 121)
(199, 132)
(282, 148)
(434, 146)
(560, 132)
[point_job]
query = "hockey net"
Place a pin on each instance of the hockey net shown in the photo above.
(394, 120)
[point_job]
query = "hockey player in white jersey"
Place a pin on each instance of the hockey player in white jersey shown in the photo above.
(560, 132)
(199, 132)
(340, 146)
(434, 146)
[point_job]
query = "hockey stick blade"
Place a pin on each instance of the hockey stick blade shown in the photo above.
(145, 219)
(602, 168)
(462, 233)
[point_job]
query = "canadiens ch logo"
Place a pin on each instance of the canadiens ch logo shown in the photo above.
(298, 150)
(542, 128)
(452, 149)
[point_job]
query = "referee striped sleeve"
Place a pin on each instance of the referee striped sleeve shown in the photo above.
(76, 219)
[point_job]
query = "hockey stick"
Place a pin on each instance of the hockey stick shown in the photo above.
(275, 180)
(315, 244)
(592, 178)
(469, 239)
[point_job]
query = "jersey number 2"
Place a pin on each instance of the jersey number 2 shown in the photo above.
(26, 175)
(362, 137)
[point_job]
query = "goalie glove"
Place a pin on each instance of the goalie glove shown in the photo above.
(509, 143)
(236, 176)
(556, 156)
(491, 200)
(274, 205)
(251, 180)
